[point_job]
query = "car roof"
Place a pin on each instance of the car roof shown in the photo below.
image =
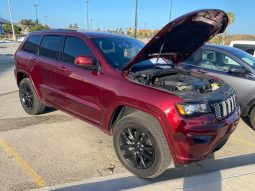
(89, 34)
(222, 47)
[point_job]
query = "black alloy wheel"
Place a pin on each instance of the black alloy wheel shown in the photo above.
(27, 96)
(137, 148)
(29, 99)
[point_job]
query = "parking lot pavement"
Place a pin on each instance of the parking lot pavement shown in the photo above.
(55, 149)
(230, 173)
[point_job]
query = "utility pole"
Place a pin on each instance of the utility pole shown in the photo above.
(136, 12)
(36, 12)
(91, 24)
(170, 13)
(144, 26)
(46, 20)
(13, 32)
(87, 14)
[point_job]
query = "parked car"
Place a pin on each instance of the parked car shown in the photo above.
(21, 39)
(234, 66)
(245, 45)
(157, 113)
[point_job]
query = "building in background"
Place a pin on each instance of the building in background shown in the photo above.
(3, 21)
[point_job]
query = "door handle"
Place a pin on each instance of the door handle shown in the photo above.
(62, 68)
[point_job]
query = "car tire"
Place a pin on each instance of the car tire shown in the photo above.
(141, 146)
(252, 117)
(29, 99)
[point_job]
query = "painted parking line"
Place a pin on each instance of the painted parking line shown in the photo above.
(243, 141)
(37, 179)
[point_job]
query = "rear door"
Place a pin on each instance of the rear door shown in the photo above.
(78, 88)
(28, 52)
(45, 65)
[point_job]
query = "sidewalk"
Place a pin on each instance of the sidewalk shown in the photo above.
(226, 174)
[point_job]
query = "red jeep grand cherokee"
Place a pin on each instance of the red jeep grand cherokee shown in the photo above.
(156, 112)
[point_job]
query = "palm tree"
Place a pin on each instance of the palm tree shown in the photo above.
(231, 18)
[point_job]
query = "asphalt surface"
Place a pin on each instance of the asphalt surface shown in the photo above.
(55, 148)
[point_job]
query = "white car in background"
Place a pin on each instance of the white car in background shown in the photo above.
(245, 45)
(21, 39)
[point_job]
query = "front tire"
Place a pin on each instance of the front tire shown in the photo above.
(141, 146)
(252, 117)
(29, 99)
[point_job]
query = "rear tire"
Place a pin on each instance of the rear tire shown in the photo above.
(141, 146)
(252, 117)
(29, 99)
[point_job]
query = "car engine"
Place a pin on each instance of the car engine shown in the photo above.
(175, 80)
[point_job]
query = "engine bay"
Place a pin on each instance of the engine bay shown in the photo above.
(175, 80)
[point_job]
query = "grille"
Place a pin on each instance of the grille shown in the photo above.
(224, 108)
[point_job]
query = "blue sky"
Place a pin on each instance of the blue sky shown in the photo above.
(120, 13)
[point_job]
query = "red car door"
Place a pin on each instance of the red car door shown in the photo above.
(77, 87)
(44, 66)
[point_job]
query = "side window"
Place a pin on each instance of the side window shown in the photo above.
(217, 61)
(209, 59)
(50, 46)
(74, 47)
(31, 45)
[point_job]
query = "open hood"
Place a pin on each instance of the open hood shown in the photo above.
(183, 36)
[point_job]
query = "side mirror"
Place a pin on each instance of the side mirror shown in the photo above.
(86, 62)
(237, 71)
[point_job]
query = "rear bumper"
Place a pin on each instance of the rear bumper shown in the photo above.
(197, 142)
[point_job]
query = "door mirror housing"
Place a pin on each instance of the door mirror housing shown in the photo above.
(237, 70)
(86, 62)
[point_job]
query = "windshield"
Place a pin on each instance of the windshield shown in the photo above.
(245, 57)
(119, 51)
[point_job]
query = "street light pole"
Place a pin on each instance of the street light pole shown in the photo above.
(91, 24)
(170, 13)
(136, 12)
(36, 12)
(87, 14)
(46, 20)
(13, 32)
(144, 26)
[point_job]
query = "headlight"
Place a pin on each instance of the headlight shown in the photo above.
(191, 109)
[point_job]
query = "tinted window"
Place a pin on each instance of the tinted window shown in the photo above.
(74, 47)
(50, 46)
(31, 45)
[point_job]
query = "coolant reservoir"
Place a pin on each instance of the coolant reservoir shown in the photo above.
(215, 86)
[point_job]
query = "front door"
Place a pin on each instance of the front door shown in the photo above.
(78, 88)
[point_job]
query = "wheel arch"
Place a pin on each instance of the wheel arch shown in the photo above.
(123, 110)
(20, 75)
(119, 112)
